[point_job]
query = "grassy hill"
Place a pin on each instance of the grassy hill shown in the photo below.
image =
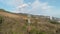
(11, 23)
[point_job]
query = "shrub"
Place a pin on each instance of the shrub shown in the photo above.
(1, 19)
(24, 28)
(35, 31)
(42, 33)
(54, 22)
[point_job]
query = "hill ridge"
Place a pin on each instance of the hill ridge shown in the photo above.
(11, 23)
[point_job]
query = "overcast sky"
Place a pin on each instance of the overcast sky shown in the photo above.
(39, 7)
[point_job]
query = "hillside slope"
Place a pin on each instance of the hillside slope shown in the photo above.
(11, 23)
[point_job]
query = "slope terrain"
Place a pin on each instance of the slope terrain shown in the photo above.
(12, 23)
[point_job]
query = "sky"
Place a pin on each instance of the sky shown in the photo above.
(36, 7)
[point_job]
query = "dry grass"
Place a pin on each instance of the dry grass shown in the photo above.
(17, 24)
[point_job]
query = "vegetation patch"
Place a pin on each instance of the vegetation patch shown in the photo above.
(54, 22)
(35, 31)
(1, 19)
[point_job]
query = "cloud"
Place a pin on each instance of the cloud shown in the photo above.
(22, 8)
(12, 2)
(10, 5)
(37, 7)
(41, 6)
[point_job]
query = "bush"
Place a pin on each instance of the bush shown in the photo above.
(35, 31)
(24, 28)
(1, 20)
(42, 33)
(54, 22)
